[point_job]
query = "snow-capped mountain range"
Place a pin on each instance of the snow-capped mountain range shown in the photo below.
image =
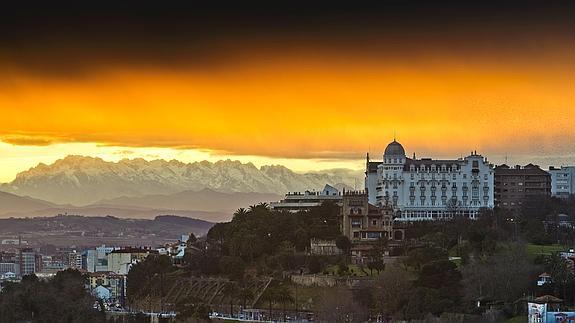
(80, 180)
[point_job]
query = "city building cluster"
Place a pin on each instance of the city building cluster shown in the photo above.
(106, 267)
(400, 189)
(420, 189)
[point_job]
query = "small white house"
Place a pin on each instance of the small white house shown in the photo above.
(543, 279)
(8, 276)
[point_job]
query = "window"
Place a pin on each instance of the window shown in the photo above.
(356, 234)
(374, 222)
(373, 235)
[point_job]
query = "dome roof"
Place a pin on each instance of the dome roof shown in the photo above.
(394, 149)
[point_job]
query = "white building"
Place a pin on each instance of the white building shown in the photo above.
(9, 267)
(429, 189)
(562, 181)
(298, 201)
(75, 260)
(97, 259)
(8, 276)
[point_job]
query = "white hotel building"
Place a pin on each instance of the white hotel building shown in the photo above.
(428, 189)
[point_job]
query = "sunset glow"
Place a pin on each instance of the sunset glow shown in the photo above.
(300, 103)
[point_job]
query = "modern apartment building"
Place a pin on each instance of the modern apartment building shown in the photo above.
(562, 181)
(515, 185)
(27, 261)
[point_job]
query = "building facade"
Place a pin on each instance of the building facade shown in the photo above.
(27, 261)
(114, 283)
(9, 267)
(363, 222)
(562, 181)
(301, 201)
(430, 189)
(515, 185)
(320, 247)
(96, 260)
(75, 260)
(120, 261)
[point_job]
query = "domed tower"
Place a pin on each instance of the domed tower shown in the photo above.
(391, 174)
(394, 153)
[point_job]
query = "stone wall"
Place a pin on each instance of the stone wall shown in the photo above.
(327, 281)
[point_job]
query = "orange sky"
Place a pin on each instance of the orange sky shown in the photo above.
(286, 109)
(306, 99)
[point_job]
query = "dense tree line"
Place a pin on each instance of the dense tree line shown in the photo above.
(538, 220)
(272, 240)
(63, 298)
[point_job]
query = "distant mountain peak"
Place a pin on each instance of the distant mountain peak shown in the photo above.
(82, 180)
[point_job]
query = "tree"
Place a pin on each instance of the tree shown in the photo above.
(314, 266)
(505, 275)
(418, 257)
(376, 265)
(392, 291)
(233, 267)
(270, 296)
(191, 307)
(245, 294)
(232, 290)
(61, 299)
(142, 274)
(338, 305)
(284, 297)
(344, 244)
(561, 275)
(376, 255)
(454, 207)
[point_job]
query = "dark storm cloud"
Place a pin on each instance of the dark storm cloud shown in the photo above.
(68, 40)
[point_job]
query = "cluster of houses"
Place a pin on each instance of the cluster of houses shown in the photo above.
(105, 267)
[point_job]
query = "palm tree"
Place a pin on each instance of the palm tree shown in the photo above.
(245, 294)
(232, 290)
(270, 296)
(283, 295)
(259, 206)
(241, 213)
